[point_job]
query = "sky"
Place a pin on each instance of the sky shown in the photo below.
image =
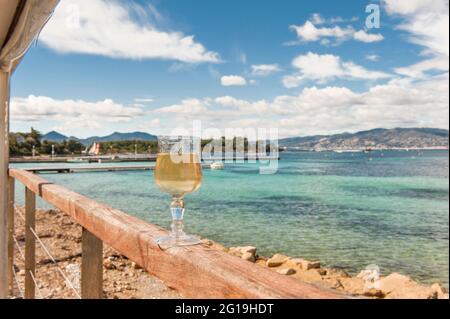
(302, 67)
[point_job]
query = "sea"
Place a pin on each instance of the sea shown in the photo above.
(348, 210)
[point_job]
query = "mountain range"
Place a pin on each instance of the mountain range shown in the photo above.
(379, 138)
(116, 136)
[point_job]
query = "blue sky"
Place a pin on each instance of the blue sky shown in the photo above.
(304, 67)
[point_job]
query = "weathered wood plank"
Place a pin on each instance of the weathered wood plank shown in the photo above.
(4, 158)
(30, 243)
(196, 271)
(91, 266)
(11, 193)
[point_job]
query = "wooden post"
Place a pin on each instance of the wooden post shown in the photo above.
(91, 266)
(11, 193)
(30, 243)
(4, 159)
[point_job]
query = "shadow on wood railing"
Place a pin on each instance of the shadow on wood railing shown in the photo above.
(195, 271)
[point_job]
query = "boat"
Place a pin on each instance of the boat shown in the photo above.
(217, 165)
(77, 160)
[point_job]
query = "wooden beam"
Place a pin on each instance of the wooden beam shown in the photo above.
(4, 158)
(30, 243)
(195, 271)
(91, 266)
(11, 193)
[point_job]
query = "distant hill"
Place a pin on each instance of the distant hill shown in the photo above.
(377, 139)
(116, 136)
(54, 137)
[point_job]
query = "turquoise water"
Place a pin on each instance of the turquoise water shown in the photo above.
(347, 210)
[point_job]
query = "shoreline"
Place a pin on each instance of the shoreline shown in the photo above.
(124, 279)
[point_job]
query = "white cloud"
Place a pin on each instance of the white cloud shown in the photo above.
(427, 22)
(372, 57)
(110, 28)
(325, 110)
(265, 69)
(187, 106)
(143, 100)
(76, 113)
(233, 80)
(415, 6)
(317, 19)
(308, 32)
(355, 71)
(318, 67)
(363, 36)
(417, 70)
(327, 67)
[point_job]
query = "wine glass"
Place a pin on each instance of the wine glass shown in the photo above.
(178, 172)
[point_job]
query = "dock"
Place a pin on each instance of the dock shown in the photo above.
(81, 169)
(134, 158)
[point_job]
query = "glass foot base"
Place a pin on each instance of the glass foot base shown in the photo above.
(182, 240)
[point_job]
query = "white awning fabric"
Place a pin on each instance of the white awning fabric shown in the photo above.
(25, 25)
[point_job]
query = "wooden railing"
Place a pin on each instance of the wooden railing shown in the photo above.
(196, 271)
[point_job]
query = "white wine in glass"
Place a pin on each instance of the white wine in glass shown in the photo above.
(178, 172)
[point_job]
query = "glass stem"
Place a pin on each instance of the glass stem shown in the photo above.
(177, 210)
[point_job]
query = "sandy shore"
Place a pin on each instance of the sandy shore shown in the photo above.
(124, 279)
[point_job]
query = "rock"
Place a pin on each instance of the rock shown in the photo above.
(322, 271)
(52, 212)
(207, 242)
(332, 272)
(249, 257)
(286, 271)
(214, 245)
(294, 262)
(354, 286)
(303, 263)
(135, 266)
(417, 292)
(248, 249)
(261, 262)
(309, 275)
(440, 291)
(337, 284)
(393, 282)
(45, 234)
(109, 264)
(397, 286)
(239, 251)
(246, 252)
(67, 222)
(307, 265)
(373, 292)
(277, 260)
(21, 272)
